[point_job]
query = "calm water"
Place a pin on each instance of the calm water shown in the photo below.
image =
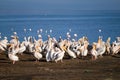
(86, 23)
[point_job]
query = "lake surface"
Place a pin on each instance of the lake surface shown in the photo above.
(85, 23)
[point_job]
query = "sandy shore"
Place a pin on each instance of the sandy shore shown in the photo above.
(106, 68)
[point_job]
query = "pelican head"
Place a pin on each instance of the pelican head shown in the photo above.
(41, 30)
(75, 35)
(14, 37)
(38, 31)
(15, 33)
(48, 36)
(50, 30)
(5, 37)
(24, 30)
(39, 36)
(30, 29)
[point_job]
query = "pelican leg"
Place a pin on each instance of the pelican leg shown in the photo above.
(56, 61)
(93, 58)
(21, 53)
(13, 62)
(61, 61)
(101, 56)
(36, 60)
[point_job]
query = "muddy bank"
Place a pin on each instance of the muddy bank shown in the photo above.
(106, 68)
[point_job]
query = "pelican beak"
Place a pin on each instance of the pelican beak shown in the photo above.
(64, 48)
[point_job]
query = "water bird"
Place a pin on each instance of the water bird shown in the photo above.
(13, 57)
(30, 29)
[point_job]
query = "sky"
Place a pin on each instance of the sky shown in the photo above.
(55, 6)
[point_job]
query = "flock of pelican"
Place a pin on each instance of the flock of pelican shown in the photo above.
(55, 50)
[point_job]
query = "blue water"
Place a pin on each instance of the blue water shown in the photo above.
(86, 23)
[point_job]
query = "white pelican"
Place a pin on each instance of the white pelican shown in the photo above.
(37, 54)
(94, 52)
(50, 30)
(2, 48)
(39, 36)
(22, 48)
(71, 53)
(118, 39)
(46, 31)
(70, 30)
(30, 29)
(100, 30)
(38, 31)
(100, 47)
(115, 48)
(30, 47)
(13, 57)
(25, 30)
(48, 58)
(83, 49)
(59, 55)
(50, 51)
(108, 46)
(34, 40)
(3, 44)
(41, 30)
(12, 51)
(14, 40)
(75, 35)
(26, 42)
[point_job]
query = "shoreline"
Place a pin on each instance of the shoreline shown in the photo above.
(106, 68)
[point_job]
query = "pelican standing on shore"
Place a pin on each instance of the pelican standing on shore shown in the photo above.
(12, 51)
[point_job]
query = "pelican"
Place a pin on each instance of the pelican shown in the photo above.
(118, 39)
(115, 48)
(26, 42)
(2, 48)
(71, 53)
(59, 54)
(94, 52)
(3, 44)
(30, 47)
(49, 49)
(22, 48)
(70, 30)
(75, 35)
(84, 49)
(48, 56)
(100, 47)
(25, 30)
(50, 30)
(39, 36)
(13, 57)
(41, 30)
(37, 54)
(100, 30)
(15, 41)
(108, 46)
(12, 51)
(38, 31)
(30, 29)
(30, 44)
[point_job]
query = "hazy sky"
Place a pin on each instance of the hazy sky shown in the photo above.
(53, 6)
